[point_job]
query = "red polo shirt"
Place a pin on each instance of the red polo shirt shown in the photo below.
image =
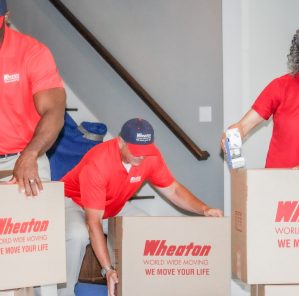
(101, 182)
(281, 99)
(26, 67)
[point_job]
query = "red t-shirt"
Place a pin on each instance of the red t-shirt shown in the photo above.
(100, 181)
(281, 99)
(26, 67)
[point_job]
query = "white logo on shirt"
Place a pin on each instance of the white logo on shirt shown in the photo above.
(8, 78)
(135, 179)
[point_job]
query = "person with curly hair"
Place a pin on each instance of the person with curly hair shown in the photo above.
(279, 99)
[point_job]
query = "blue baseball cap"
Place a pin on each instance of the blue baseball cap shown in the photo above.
(139, 136)
(3, 7)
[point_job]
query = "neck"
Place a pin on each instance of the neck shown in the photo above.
(2, 35)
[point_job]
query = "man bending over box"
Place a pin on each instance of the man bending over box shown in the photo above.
(100, 186)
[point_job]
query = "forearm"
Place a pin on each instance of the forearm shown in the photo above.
(250, 120)
(99, 244)
(25, 171)
(46, 132)
(188, 201)
(185, 199)
(50, 105)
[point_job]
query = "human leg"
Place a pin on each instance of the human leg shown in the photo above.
(77, 239)
(7, 164)
(44, 170)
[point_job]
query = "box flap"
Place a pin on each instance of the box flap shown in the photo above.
(239, 223)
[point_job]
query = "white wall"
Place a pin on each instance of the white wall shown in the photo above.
(257, 36)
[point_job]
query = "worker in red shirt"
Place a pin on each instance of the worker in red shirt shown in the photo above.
(32, 99)
(280, 99)
(100, 186)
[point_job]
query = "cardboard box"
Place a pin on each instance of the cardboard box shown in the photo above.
(265, 231)
(18, 292)
(275, 290)
(32, 237)
(171, 255)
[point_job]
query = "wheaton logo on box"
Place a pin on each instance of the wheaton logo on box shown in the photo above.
(153, 260)
(266, 251)
(159, 248)
(32, 237)
(9, 227)
(287, 211)
(176, 259)
(29, 236)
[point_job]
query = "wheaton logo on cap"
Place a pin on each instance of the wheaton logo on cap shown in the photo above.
(139, 136)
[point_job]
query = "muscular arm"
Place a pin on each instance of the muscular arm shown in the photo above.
(250, 120)
(99, 245)
(50, 104)
(183, 198)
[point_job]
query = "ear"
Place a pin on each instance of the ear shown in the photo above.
(6, 17)
(121, 142)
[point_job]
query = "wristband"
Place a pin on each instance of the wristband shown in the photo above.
(105, 270)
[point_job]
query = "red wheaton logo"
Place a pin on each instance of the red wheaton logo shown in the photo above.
(159, 248)
(287, 211)
(8, 227)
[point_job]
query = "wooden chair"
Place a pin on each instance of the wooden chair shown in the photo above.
(91, 269)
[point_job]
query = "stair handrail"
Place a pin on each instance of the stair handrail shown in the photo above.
(131, 81)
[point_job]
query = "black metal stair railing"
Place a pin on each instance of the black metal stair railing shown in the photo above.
(127, 77)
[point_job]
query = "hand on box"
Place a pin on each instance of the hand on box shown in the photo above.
(25, 173)
(112, 280)
(211, 212)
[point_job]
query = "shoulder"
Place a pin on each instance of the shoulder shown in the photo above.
(277, 85)
(157, 160)
(282, 80)
(103, 152)
(27, 44)
(25, 39)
